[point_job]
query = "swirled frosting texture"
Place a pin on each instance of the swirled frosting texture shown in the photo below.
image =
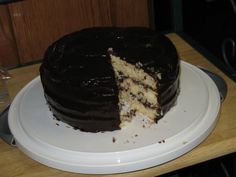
(79, 81)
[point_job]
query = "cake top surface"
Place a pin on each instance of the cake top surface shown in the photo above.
(86, 53)
(82, 59)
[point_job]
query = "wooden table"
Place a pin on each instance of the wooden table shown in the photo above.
(221, 141)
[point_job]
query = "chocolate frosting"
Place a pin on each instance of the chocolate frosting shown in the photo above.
(79, 81)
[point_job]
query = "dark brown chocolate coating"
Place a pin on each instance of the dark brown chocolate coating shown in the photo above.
(79, 81)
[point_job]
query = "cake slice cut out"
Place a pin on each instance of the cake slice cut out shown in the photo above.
(138, 91)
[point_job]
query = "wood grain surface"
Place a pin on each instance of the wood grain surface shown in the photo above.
(8, 48)
(220, 142)
(37, 23)
(130, 13)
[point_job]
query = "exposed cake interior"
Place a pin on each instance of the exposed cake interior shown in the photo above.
(137, 91)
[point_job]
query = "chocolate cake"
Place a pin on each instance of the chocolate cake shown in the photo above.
(98, 78)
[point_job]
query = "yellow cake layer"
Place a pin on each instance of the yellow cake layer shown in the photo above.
(134, 104)
(145, 94)
(138, 91)
(131, 71)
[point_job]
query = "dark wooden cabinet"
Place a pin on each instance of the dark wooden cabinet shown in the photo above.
(33, 24)
(8, 48)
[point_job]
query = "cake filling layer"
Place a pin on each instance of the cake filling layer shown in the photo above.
(137, 90)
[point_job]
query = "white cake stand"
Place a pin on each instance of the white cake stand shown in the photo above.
(137, 146)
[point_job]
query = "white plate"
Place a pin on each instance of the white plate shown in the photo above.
(57, 145)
